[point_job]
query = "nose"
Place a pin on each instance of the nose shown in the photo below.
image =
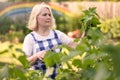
(48, 16)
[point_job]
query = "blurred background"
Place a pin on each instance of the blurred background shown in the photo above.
(96, 61)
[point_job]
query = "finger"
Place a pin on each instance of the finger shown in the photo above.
(40, 58)
(83, 34)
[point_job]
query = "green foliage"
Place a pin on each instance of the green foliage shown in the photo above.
(17, 69)
(90, 19)
(114, 51)
(5, 25)
(52, 58)
(92, 57)
(111, 26)
(12, 31)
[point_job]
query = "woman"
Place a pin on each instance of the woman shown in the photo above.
(43, 37)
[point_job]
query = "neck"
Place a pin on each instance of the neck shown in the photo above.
(43, 31)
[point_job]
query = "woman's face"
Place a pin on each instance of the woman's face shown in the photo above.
(44, 18)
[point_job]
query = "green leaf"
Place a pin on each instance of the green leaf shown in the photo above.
(2, 52)
(11, 46)
(77, 63)
(93, 9)
(70, 56)
(13, 55)
(90, 11)
(88, 63)
(19, 50)
(97, 35)
(17, 74)
(52, 58)
(82, 47)
(24, 61)
(95, 21)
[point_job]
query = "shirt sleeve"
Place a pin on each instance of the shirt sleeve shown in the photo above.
(64, 38)
(28, 45)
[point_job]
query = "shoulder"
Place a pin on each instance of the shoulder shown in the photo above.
(61, 34)
(28, 37)
(28, 41)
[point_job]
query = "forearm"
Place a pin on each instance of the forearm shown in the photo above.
(40, 55)
(83, 34)
(32, 59)
(73, 44)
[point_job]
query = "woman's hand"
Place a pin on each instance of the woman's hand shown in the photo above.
(41, 54)
(74, 45)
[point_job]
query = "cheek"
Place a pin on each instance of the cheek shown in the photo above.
(39, 20)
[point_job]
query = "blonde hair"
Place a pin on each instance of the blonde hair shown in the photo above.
(32, 23)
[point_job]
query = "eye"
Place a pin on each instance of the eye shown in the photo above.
(47, 14)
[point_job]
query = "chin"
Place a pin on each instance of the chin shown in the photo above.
(47, 26)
